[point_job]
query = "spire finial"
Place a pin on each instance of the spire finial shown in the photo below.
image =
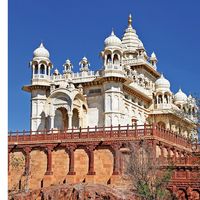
(41, 44)
(130, 20)
(112, 33)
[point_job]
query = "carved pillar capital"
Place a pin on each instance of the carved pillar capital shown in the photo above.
(26, 150)
(70, 147)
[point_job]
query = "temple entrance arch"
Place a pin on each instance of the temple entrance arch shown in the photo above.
(61, 118)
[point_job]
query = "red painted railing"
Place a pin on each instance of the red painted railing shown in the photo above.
(112, 132)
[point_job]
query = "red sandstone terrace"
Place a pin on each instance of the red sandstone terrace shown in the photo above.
(96, 155)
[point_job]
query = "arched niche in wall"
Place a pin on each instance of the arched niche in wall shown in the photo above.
(116, 103)
(116, 121)
(116, 59)
(108, 121)
(109, 103)
(75, 119)
(42, 125)
(61, 118)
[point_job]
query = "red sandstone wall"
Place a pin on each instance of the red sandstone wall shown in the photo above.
(81, 165)
(103, 165)
(60, 166)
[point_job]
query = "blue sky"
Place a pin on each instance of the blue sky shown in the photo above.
(73, 29)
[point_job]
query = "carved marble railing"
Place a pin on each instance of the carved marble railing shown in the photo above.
(137, 61)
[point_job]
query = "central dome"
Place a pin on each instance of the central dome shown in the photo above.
(41, 51)
(112, 40)
(130, 40)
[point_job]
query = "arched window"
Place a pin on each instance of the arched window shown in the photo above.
(166, 99)
(75, 119)
(160, 100)
(42, 71)
(193, 111)
(115, 59)
(36, 69)
(109, 60)
(61, 118)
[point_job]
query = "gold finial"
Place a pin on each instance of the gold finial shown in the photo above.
(129, 20)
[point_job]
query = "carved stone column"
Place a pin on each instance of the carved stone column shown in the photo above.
(49, 150)
(52, 121)
(90, 152)
(70, 150)
(116, 154)
(69, 120)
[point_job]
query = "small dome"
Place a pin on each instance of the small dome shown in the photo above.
(41, 51)
(180, 97)
(190, 97)
(84, 58)
(112, 40)
(56, 72)
(162, 83)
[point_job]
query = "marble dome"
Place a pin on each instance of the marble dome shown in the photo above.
(41, 51)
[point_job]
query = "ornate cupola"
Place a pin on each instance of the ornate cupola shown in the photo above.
(162, 94)
(41, 64)
(84, 64)
(153, 60)
(112, 52)
(180, 99)
(67, 67)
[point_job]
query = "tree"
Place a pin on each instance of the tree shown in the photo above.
(149, 178)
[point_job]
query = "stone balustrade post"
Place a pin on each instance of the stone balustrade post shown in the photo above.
(70, 149)
(90, 151)
(49, 150)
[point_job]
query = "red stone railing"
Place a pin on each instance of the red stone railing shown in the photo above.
(112, 132)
